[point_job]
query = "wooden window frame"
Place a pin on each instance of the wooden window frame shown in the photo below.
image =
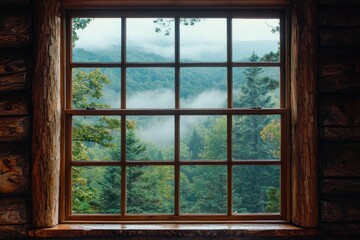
(66, 214)
(46, 94)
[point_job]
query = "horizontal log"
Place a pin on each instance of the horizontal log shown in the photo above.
(340, 186)
(14, 104)
(349, 83)
(13, 82)
(340, 210)
(11, 63)
(339, 36)
(339, 17)
(339, 159)
(339, 69)
(13, 210)
(340, 133)
(14, 168)
(15, 21)
(339, 55)
(14, 129)
(339, 110)
(13, 231)
(15, 40)
(15, 27)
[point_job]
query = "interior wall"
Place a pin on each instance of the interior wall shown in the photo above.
(339, 117)
(15, 115)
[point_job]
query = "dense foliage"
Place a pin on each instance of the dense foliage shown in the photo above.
(150, 189)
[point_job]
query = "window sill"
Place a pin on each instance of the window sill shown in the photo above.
(173, 230)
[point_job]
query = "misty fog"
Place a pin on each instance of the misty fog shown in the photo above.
(160, 130)
(204, 41)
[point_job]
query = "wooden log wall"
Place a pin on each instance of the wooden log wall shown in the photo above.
(15, 105)
(339, 117)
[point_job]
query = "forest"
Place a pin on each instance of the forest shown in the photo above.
(150, 189)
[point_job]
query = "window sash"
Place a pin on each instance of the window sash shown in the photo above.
(176, 112)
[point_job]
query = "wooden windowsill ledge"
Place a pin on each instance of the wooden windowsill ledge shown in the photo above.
(173, 230)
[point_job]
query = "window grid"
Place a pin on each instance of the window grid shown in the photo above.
(229, 112)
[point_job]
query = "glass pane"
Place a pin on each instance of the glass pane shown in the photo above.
(203, 138)
(256, 189)
(203, 40)
(96, 190)
(150, 40)
(96, 138)
(150, 138)
(256, 137)
(96, 39)
(96, 88)
(256, 40)
(150, 190)
(150, 88)
(203, 87)
(203, 189)
(255, 87)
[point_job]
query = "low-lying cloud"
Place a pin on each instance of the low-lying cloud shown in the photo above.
(160, 129)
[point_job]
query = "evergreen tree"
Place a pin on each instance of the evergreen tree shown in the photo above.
(255, 92)
(195, 145)
(254, 186)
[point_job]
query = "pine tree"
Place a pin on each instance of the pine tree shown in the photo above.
(253, 186)
(255, 92)
(195, 145)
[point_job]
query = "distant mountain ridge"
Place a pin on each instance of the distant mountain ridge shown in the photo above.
(242, 51)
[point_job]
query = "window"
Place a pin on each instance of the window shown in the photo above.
(176, 115)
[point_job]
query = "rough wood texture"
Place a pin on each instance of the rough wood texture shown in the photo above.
(46, 115)
(346, 83)
(13, 231)
(340, 159)
(174, 230)
(13, 82)
(304, 114)
(339, 55)
(14, 129)
(14, 104)
(340, 36)
(339, 17)
(342, 74)
(340, 210)
(340, 133)
(15, 28)
(13, 211)
(14, 168)
(340, 186)
(340, 69)
(339, 110)
(11, 63)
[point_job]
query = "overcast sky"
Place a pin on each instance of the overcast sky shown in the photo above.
(104, 31)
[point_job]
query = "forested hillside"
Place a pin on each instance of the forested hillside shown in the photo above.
(150, 189)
